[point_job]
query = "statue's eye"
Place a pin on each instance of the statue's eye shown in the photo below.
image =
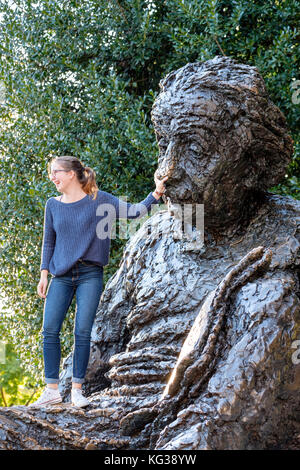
(194, 148)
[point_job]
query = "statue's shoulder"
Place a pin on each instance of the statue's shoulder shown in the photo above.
(281, 222)
(283, 202)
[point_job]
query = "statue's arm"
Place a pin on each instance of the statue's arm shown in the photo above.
(245, 387)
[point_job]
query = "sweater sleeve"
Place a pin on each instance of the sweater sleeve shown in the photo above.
(49, 238)
(126, 210)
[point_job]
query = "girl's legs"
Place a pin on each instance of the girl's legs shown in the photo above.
(87, 281)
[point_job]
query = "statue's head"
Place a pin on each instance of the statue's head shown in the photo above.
(220, 137)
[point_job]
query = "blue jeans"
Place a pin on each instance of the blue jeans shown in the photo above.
(86, 279)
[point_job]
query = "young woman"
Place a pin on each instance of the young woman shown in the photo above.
(76, 243)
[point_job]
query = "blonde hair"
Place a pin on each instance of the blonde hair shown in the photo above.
(85, 175)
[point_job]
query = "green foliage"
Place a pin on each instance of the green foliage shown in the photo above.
(80, 78)
(16, 387)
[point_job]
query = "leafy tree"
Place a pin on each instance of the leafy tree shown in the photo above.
(80, 78)
(16, 387)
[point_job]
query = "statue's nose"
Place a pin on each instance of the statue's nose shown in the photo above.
(168, 164)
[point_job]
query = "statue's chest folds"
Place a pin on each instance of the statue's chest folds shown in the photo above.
(189, 283)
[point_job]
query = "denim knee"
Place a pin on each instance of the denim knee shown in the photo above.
(82, 336)
(50, 333)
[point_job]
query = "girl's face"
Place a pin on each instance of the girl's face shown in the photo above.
(60, 177)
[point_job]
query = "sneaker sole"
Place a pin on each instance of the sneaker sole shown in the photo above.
(45, 403)
(80, 406)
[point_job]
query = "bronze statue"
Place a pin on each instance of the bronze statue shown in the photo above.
(194, 338)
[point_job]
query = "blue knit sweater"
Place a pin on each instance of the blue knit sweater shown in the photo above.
(82, 229)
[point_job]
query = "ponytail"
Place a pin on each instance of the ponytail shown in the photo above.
(89, 184)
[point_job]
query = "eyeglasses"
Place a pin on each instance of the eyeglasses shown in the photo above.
(53, 172)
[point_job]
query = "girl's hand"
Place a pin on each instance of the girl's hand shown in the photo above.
(160, 183)
(42, 286)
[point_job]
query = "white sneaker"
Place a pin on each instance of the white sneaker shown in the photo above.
(50, 396)
(78, 399)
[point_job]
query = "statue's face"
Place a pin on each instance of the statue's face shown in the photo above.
(191, 164)
(190, 128)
